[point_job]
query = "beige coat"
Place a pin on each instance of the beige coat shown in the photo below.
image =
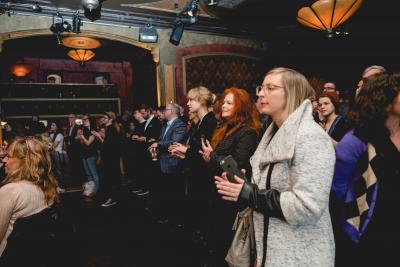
(304, 160)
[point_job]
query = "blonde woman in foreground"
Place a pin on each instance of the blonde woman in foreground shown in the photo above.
(292, 174)
(27, 192)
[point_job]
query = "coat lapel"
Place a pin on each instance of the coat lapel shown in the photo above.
(281, 147)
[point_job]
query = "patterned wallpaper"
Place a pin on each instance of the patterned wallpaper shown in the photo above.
(218, 67)
(220, 71)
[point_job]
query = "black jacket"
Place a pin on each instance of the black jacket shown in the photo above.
(204, 129)
(153, 130)
(241, 144)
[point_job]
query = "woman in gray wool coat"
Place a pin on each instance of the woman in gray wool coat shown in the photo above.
(292, 174)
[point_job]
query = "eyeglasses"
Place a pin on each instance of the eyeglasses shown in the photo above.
(165, 110)
(267, 88)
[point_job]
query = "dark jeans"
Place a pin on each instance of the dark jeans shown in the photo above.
(110, 178)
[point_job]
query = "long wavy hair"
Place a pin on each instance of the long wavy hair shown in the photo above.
(244, 113)
(370, 111)
(35, 166)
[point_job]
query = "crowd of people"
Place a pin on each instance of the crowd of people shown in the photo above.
(321, 179)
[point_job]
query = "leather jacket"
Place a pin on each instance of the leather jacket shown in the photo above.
(265, 201)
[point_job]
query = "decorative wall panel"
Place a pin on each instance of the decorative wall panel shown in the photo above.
(218, 71)
(218, 67)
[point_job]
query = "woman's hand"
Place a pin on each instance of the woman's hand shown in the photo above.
(206, 150)
(229, 191)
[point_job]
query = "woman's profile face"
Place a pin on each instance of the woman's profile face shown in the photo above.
(193, 105)
(325, 106)
(53, 127)
(272, 94)
(396, 106)
(228, 106)
(11, 163)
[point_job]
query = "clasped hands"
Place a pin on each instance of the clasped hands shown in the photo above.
(228, 190)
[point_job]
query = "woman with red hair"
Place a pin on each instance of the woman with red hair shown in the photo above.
(237, 135)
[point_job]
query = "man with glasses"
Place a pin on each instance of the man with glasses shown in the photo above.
(167, 194)
(369, 72)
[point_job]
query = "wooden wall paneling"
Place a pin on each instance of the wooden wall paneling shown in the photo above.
(169, 83)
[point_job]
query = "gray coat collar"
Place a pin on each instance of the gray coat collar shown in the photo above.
(281, 148)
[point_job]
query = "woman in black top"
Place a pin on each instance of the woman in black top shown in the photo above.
(195, 169)
(335, 125)
(237, 136)
(89, 146)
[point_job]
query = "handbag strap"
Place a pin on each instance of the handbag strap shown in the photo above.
(266, 218)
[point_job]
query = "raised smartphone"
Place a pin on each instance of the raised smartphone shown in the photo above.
(229, 165)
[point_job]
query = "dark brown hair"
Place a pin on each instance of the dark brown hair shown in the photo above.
(369, 113)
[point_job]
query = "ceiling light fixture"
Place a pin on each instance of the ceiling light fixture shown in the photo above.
(90, 4)
(81, 42)
(20, 69)
(191, 8)
(81, 55)
(76, 23)
(59, 26)
(148, 34)
(92, 9)
(36, 8)
(327, 14)
(187, 16)
(177, 33)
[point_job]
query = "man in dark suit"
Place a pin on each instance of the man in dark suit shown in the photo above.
(145, 168)
(168, 188)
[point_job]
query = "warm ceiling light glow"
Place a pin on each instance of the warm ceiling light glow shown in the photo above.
(81, 42)
(21, 69)
(81, 55)
(327, 14)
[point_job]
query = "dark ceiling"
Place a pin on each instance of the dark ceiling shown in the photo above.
(265, 19)
(373, 33)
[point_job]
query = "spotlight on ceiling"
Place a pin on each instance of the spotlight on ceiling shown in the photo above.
(36, 8)
(76, 23)
(212, 2)
(177, 32)
(59, 26)
(90, 4)
(191, 8)
(148, 34)
(92, 9)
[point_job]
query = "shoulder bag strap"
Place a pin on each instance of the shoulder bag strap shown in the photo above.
(266, 218)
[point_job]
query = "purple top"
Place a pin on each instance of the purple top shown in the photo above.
(348, 152)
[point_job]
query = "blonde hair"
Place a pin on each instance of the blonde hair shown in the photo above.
(297, 88)
(35, 166)
(202, 95)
